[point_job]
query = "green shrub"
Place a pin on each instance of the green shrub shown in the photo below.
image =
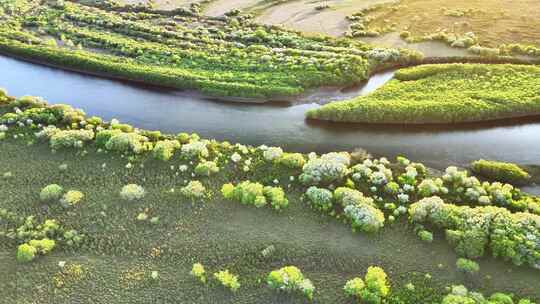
(206, 168)
(425, 236)
(500, 171)
(276, 197)
(26, 253)
(125, 142)
(353, 287)
(290, 279)
(375, 289)
(70, 138)
(467, 266)
(198, 272)
(51, 193)
(43, 246)
(250, 193)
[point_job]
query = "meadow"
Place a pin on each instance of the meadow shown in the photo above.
(96, 211)
(444, 94)
(461, 24)
(229, 56)
(101, 211)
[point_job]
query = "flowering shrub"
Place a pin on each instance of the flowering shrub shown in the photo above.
(429, 187)
(194, 190)
(372, 172)
(72, 197)
(206, 168)
(331, 167)
(347, 196)
(353, 287)
(292, 160)
(272, 153)
(124, 142)
(227, 279)
(359, 209)
(511, 236)
(196, 149)
(460, 295)
(164, 149)
(132, 192)
(51, 193)
(373, 291)
(235, 157)
(290, 279)
(320, 198)
(70, 138)
(198, 272)
(249, 193)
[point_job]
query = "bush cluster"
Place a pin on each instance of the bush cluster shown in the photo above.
(250, 193)
(375, 289)
(290, 279)
(470, 231)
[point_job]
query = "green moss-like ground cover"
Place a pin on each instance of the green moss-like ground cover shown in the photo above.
(444, 94)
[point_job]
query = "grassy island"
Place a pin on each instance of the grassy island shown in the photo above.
(94, 211)
(444, 94)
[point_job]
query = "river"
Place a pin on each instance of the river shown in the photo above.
(280, 124)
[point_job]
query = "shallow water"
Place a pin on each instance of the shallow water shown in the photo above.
(273, 124)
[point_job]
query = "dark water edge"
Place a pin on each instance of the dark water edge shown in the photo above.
(280, 124)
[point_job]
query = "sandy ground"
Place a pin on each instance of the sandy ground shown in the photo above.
(165, 4)
(303, 16)
(220, 7)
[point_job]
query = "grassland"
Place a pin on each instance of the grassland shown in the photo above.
(452, 93)
(164, 231)
(488, 23)
(231, 56)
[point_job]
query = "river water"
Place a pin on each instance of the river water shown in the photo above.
(280, 124)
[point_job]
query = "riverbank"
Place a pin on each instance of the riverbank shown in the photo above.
(444, 94)
(214, 58)
(275, 124)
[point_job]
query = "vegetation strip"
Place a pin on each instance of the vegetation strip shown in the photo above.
(443, 94)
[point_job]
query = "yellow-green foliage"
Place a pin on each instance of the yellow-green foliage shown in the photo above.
(227, 279)
(198, 271)
(500, 171)
(446, 93)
